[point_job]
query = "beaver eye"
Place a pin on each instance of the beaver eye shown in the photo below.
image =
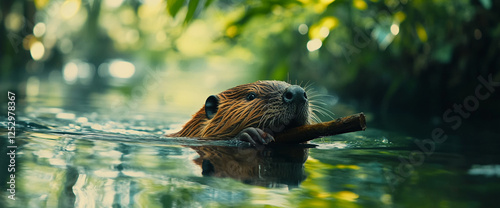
(251, 96)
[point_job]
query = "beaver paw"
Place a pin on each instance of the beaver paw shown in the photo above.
(254, 136)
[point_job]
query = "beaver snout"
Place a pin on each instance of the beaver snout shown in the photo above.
(294, 94)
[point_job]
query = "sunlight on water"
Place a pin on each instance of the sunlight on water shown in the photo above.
(106, 173)
(57, 162)
(272, 197)
(68, 116)
(44, 153)
(333, 145)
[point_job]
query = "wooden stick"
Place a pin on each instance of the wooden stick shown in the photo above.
(305, 133)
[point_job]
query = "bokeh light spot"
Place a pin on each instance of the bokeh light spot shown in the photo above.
(65, 45)
(121, 69)
(70, 8)
(360, 4)
(37, 50)
(322, 29)
(39, 29)
(421, 33)
(28, 41)
(40, 4)
(400, 16)
(303, 29)
(314, 45)
(394, 29)
(132, 36)
(232, 31)
(70, 72)
(324, 32)
(113, 3)
(14, 21)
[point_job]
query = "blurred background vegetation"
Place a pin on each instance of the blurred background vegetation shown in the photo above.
(402, 62)
(405, 58)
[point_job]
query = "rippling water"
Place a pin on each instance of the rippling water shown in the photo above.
(87, 156)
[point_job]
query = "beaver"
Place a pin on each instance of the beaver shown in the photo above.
(251, 113)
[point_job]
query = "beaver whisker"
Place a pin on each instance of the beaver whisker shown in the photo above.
(314, 99)
(314, 117)
(314, 95)
(322, 110)
(318, 97)
(316, 104)
(308, 85)
(315, 110)
(320, 107)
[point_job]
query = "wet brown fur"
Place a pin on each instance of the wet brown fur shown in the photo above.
(236, 113)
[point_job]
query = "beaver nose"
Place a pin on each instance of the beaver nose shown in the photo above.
(294, 93)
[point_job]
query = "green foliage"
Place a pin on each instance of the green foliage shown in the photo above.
(415, 56)
(412, 56)
(193, 6)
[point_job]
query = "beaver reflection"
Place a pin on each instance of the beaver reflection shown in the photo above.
(269, 166)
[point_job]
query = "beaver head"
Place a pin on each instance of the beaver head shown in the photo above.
(272, 106)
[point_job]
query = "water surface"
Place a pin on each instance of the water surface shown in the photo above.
(79, 154)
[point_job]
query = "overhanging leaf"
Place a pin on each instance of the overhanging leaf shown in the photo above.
(192, 6)
(173, 6)
(207, 3)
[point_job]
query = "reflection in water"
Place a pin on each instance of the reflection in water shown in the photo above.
(268, 167)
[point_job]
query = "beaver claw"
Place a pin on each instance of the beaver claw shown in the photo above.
(254, 136)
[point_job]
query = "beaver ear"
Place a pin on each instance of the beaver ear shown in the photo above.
(211, 106)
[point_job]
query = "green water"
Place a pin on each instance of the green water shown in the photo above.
(81, 155)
